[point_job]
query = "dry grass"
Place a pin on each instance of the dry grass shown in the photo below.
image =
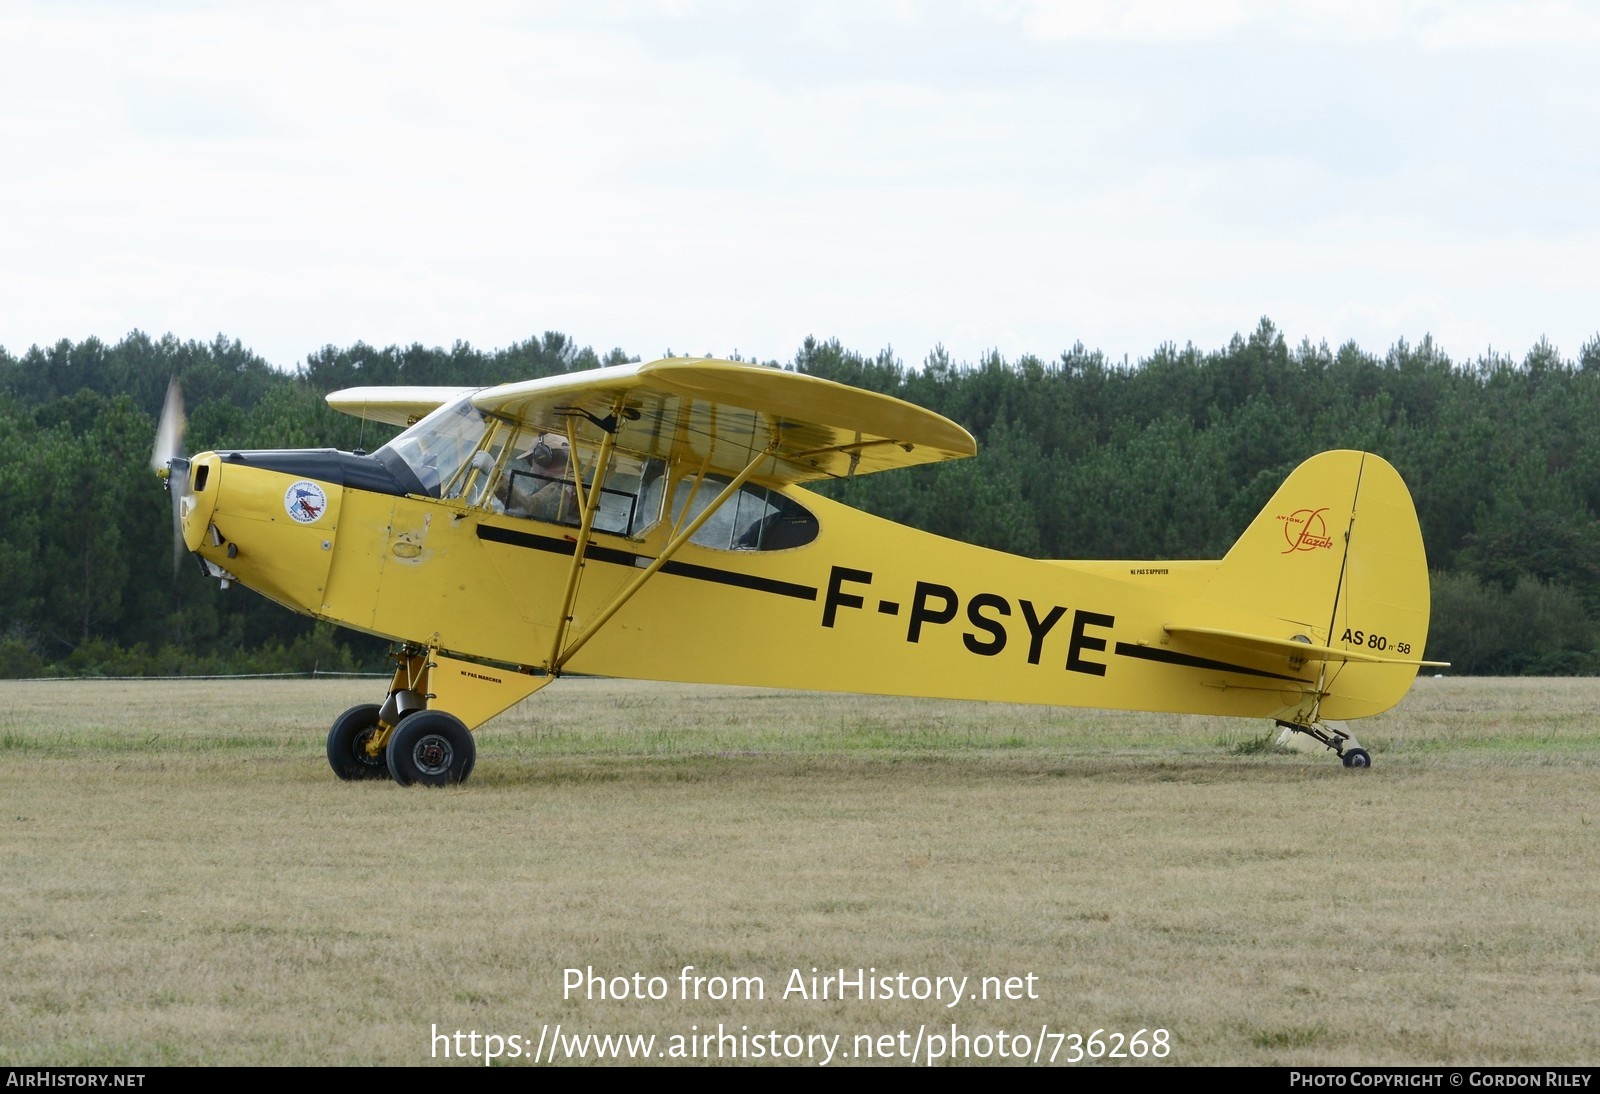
(184, 882)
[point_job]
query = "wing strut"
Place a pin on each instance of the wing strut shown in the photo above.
(559, 657)
(589, 502)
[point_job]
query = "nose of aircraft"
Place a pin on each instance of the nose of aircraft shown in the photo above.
(193, 486)
(262, 524)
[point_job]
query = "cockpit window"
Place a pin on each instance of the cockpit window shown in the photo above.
(438, 447)
(754, 519)
(538, 482)
(458, 452)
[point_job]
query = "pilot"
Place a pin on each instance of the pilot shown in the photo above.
(537, 483)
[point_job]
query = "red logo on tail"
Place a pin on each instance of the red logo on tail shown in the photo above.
(1305, 530)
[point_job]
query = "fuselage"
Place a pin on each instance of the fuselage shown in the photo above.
(835, 599)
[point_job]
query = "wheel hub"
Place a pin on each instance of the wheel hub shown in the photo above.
(363, 750)
(433, 754)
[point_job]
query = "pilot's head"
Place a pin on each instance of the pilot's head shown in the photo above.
(549, 453)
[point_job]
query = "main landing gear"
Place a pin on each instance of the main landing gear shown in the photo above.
(1331, 734)
(422, 734)
(426, 748)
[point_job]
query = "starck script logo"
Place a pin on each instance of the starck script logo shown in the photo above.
(1305, 530)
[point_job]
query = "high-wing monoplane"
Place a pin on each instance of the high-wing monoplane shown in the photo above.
(651, 521)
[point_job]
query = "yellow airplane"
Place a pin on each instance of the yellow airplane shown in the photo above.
(649, 521)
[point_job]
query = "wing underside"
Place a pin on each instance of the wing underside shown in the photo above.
(720, 415)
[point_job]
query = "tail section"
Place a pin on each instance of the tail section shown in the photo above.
(1336, 559)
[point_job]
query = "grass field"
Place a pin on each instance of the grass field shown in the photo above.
(183, 881)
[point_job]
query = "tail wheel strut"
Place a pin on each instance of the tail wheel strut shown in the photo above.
(1343, 744)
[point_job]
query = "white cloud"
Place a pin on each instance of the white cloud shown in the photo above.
(1497, 25)
(1121, 20)
(720, 177)
(1434, 24)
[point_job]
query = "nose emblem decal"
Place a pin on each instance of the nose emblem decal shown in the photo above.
(304, 501)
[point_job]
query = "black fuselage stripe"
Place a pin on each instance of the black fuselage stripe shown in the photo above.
(562, 546)
(743, 581)
(1168, 657)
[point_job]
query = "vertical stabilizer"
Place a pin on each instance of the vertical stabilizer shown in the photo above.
(1337, 556)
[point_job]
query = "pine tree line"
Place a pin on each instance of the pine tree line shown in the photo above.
(1079, 457)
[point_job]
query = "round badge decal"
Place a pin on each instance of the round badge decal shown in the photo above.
(305, 501)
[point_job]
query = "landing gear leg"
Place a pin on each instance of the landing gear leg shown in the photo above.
(359, 738)
(1333, 735)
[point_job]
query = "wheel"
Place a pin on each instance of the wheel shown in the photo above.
(1357, 757)
(431, 747)
(347, 745)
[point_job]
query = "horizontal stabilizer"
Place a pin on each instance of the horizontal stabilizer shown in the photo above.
(1293, 648)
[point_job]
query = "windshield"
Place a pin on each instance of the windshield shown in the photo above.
(438, 446)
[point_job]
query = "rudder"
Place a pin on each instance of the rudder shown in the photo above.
(1337, 555)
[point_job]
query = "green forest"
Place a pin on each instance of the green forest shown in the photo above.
(1079, 457)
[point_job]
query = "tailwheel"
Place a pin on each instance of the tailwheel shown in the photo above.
(432, 748)
(348, 745)
(1331, 735)
(1356, 757)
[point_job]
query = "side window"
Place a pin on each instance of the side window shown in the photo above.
(539, 494)
(754, 519)
(537, 483)
(534, 480)
(630, 501)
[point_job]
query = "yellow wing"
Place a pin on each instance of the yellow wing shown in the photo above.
(720, 414)
(401, 406)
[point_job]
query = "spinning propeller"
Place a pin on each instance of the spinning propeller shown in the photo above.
(167, 460)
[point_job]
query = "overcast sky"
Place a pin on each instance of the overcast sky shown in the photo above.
(710, 177)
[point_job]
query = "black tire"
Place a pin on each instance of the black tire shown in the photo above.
(347, 740)
(1357, 757)
(432, 748)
